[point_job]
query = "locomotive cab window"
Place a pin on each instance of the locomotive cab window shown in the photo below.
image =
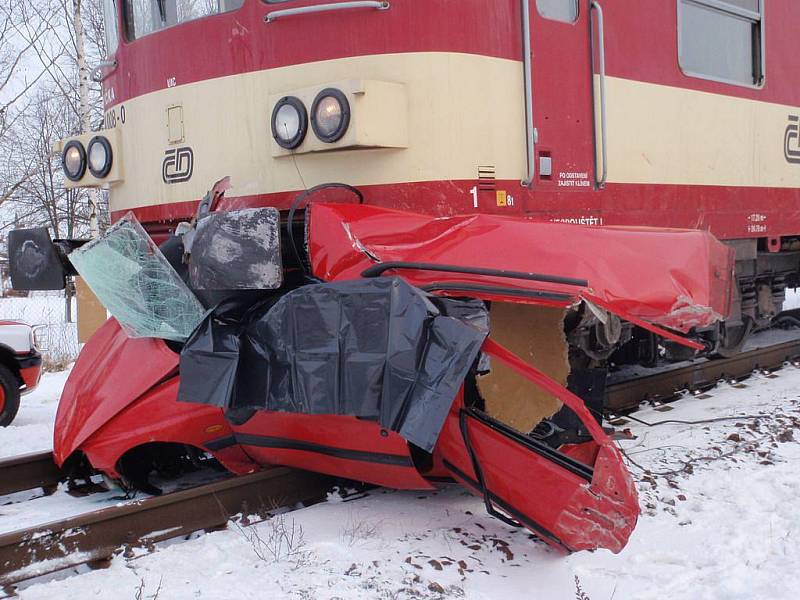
(558, 10)
(143, 17)
(722, 40)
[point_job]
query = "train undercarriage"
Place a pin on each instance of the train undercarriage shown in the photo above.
(762, 278)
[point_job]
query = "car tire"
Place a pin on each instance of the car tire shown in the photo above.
(9, 396)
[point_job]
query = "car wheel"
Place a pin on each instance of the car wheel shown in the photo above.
(9, 396)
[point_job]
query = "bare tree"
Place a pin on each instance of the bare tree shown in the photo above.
(46, 49)
(19, 75)
(42, 199)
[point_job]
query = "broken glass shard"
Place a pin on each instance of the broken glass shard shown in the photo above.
(133, 280)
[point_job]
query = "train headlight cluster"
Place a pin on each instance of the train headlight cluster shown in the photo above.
(92, 160)
(97, 157)
(100, 156)
(73, 160)
(330, 119)
(289, 122)
(330, 115)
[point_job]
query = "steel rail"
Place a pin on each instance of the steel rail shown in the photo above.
(625, 396)
(98, 535)
(27, 472)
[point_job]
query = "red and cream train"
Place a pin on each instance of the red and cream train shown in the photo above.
(608, 145)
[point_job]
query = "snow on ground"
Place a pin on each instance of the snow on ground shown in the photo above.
(32, 430)
(792, 299)
(720, 519)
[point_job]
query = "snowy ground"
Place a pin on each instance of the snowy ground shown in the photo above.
(792, 299)
(720, 519)
(32, 430)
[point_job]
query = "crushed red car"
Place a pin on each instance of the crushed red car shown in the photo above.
(399, 349)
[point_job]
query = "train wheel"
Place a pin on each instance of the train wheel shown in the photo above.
(9, 396)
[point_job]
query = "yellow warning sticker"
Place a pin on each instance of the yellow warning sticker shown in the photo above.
(502, 198)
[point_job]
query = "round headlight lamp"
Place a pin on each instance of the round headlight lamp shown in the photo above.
(330, 115)
(289, 122)
(100, 157)
(73, 160)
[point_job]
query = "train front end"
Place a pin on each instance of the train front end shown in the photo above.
(330, 251)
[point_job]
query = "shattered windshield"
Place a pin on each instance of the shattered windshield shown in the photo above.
(134, 281)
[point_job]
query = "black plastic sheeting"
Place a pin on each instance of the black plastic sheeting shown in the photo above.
(377, 349)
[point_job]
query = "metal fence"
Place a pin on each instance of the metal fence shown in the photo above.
(58, 339)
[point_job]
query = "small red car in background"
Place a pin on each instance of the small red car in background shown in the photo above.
(20, 366)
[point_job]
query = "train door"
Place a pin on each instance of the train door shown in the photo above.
(563, 96)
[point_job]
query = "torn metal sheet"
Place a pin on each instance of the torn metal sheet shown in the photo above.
(377, 349)
(570, 504)
(536, 334)
(685, 282)
(237, 250)
(135, 282)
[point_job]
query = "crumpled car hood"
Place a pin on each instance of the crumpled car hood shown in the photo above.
(112, 371)
(671, 278)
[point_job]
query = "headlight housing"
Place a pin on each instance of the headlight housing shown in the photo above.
(289, 122)
(330, 115)
(73, 160)
(100, 157)
(39, 337)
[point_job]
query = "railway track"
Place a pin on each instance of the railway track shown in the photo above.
(94, 537)
(663, 384)
(28, 471)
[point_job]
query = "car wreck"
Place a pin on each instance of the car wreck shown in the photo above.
(389, 347)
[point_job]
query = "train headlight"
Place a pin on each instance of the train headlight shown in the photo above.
(73, 160)
(289, 122)
(100, 156)
(330, 115)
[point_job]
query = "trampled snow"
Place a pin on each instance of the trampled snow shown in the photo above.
(720, 519)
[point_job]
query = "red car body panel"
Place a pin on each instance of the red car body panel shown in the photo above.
(112, 372)
(30, 377)
(564, 509)
(684, 283)
(122, 394)
(157, 416)
(570, 508)
(342, 446)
